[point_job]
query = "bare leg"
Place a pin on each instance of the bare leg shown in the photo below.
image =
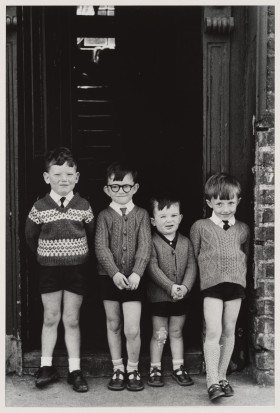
(71, 314)
(176, 325)
(52, 314)
(160, 329)
(114, 325)
(132, 315)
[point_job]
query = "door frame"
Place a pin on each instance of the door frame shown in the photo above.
(14, 220)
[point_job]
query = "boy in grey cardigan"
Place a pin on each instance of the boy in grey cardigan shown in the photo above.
(171, 275)
(123, 248)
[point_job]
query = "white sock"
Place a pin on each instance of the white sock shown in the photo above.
(157, 365)
(74, 364)
(177, 364)
(46, 361)
(131, 366)
(118, 365)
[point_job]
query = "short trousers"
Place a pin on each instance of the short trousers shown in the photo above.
(225, 291)
(71, 278)
(169, 308)
(109, 291)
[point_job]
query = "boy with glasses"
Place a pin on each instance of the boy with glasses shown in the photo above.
(123, 247)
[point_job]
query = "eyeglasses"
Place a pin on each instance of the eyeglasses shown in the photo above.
(126, 188)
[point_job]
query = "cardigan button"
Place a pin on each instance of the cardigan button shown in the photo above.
(124, 233)
(124, 248)
(173, 252)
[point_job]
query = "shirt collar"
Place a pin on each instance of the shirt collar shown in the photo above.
(171, 243)
(129, 207)
(57, 197)
(218, 221)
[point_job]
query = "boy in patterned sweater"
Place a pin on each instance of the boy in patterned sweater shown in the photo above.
(123, 247)
(172, 272)
(58, 229)
(221, 245)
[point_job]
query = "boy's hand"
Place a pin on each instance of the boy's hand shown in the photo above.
(184, 290)
(176, 292)
(120, 281)
(133, 281)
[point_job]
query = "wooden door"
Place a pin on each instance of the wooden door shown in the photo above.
(141, 99)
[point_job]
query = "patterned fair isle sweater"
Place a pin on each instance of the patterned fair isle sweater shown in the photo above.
(58, 235)
(222, 255)
(170, 266)
(122, 244)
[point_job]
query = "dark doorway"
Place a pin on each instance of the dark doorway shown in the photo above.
(133, 86)
(139, 96)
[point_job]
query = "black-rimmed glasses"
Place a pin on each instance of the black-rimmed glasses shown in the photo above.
(126, 188)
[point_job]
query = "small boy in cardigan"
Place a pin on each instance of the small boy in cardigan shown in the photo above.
(59, 229)
(123, 247)
(171, 275)
(221, 245)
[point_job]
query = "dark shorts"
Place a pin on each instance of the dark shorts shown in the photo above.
(71, 278)
(109, 291)
(168, 308)
(225, 291)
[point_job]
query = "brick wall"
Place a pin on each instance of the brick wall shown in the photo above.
(262, 349)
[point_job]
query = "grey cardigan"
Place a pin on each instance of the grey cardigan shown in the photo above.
(170, 266)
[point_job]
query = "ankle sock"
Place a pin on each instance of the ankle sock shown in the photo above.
(157, 365)
(177, 363)
(46, 361)
(118, 365)
(74, 364)
(131, 366)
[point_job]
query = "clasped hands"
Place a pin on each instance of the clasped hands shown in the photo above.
(127, 283)
(178, 292)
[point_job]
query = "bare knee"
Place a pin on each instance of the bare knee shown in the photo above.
(114, 326)
(51, 318)
(70, 321)
(132, 332)
(175, 333)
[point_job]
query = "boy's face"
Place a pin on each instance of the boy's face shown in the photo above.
(224, 208)
(167, 220)
(122, 196)
(62, 178)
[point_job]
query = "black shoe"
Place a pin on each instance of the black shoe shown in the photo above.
(46, 375)
(155, 378)
(184, 378)
(226, 387)
(215, 391)
(78, 381)
(117, 381)
(134, 382)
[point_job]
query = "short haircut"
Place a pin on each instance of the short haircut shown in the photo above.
(223, 186)
(165, 199)
(59, 156)
(118, 170)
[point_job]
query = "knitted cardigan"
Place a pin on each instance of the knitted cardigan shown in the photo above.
(221, 255)
(122, 244)
(59, 235)
(170, 266)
